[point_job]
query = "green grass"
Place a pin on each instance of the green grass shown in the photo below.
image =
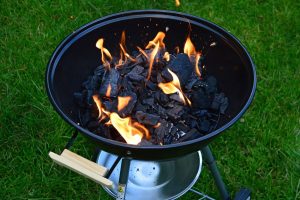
(262, 153)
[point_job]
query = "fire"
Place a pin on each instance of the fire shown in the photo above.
(167, 56)
(123, 102)
(158, 39)
(104, 53)
(177, 3)
(143, 52)
(98, 104)
(189, 48)
(198, 56)
(174, 87)
(156, 43)
(132, 132)
(108, 91)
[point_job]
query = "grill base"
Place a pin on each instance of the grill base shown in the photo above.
(166, 179)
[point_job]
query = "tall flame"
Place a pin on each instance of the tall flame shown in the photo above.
(98, 104)
(104, 53)
(156, 43)
(198, 72)
(189, 48)
(123, 102)
(174, 87)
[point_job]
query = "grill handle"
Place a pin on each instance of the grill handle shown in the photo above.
(82, 166)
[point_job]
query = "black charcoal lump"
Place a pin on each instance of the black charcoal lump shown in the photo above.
(146, 118)
(182, 67)
(111, 78)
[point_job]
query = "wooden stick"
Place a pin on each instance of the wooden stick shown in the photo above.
(98, 169)
(74, 166)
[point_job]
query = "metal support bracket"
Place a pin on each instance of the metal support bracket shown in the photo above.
(210, 161)
(124, 172)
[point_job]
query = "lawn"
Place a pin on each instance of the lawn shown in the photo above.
(261, 152)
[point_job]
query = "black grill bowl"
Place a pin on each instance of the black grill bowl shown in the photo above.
(76, 58)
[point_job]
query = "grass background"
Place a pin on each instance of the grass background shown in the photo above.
(260, 152)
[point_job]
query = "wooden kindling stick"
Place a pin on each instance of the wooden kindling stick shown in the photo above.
(82, 166)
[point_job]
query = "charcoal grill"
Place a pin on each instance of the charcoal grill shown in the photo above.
(76, 57)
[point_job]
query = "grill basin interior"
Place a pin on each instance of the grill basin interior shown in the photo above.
(76, 58)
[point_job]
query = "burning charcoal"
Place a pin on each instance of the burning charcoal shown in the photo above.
(166, 75)
(89, 97)
(175, 112)
(140, 107)
(128, 108)
(192, 134)
(220, 102)
(204, 126)
(149, 101)
(146, 118)
(126, 84)
(163, 130)
(136, 74)
(181, 126)
(161, 111)
(211, 84)
(111, 78)
(99, 71)
(135, 77)
(161, 97)
(200, 113)
(110, 105)
(200, 100)
(193, 79)
(137, 70)
(182, 67)
(151, 85)
(176, 98)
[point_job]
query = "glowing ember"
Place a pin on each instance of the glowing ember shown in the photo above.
(174, 87)
(104, 53)
(108, 91)
(123, 102)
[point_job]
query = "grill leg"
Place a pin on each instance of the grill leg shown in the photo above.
(210, 161)
(124, 172)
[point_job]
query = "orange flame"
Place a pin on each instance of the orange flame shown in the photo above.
(143, 52)
(152, 56)
(104, 53)
(198, 56)
(108, 91)
(174, 87)
(177, 3)
(131, 132)
(98, 104)
(156, 43)
(158, 39)
(189, 48)
(167, 56)
(123, 102)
